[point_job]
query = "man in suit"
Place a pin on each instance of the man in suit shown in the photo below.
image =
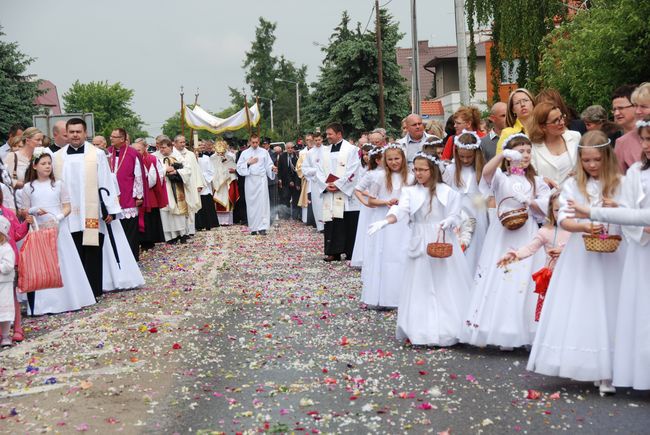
(289, 183)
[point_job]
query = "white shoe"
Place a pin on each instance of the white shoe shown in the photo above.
(506, 348)
(6, 341)
(606, 387)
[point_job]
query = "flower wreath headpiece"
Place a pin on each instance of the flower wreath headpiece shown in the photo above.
(38, 152)
(393, 146)
(642, 124)
(511, 137)
(468, 146)
(430, 157)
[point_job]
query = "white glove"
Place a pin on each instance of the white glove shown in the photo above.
(512, 155)
(446, 223)
(520, 197)
(376, 226)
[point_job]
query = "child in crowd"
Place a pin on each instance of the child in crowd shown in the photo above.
(464, 176)
(434, 291)
(48, 201)
(576, 331)
(502, 308)
(383, 261)
(7, 273)
(553, 238)
(17, 231)
(375, 157)
(632, 343)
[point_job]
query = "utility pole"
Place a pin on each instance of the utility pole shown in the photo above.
(461, 46)
(380, 69)
(416, 59)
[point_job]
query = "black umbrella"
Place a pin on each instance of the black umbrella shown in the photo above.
(111, 237)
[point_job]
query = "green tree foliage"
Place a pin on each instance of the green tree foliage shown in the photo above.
(17, 89)
(110, 104)
(262, 69)
(517, 29)
(600, 49)
(348, 89)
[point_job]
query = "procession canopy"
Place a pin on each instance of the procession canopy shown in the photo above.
(199, 119)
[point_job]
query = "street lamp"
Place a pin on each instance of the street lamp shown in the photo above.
(297, 98)
(271, 100)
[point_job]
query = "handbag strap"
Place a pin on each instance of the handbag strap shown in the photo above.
(440, 230)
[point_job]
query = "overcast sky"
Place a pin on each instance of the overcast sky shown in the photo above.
(155, 46)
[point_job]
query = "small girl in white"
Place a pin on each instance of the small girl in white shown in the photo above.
(502, 308)
(383, 262)
(361, 191)
(576, 331)
(464, 176)
(434, 291)
(553, 238)
(7, 272)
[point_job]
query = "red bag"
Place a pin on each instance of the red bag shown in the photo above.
(38, 262)
(542, 278)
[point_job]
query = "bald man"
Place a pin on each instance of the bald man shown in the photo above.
(415, 136)
(59, 136)
(100, 142)
(498, 118)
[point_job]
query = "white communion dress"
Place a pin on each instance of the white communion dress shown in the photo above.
(76, 292)
(502, 307)
(575, 338)
(434, 291)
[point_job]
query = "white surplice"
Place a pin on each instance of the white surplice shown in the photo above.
(258, 207)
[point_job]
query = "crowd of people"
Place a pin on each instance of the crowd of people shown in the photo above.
(450, 229)
(445, 223)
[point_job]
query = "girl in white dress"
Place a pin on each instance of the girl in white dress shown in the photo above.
(375, 157)
(434, 291)
(49, 202)
(502, 309)
(632, 344)
(575, 338)
(383, 261)
(464, 176)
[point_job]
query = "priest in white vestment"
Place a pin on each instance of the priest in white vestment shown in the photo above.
(309, 170)
(256, 165)
(84, 170)
(194, 183)
(174, 215)
(336, 167)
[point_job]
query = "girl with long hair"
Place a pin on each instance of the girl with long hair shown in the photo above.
(383, 260)
(464, 176)
(433, 291)
(576, 331)
(501, 312)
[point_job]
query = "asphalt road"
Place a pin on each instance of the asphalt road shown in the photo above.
(289, 348)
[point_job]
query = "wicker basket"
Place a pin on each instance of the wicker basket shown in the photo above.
(440, 250)
(513, 219)
(603, 243)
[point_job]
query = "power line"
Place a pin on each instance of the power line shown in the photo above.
(369, 18)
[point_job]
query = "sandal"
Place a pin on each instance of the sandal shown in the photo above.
(19, 335)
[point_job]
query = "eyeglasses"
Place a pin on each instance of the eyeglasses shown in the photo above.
(521, 102)
(621, 108)
(116, 137)
(557, 121)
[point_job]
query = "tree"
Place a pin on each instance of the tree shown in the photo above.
(348, 91)
(599, 50)
(110, 104)
(517, 29)
(262, 69)
(19, 90)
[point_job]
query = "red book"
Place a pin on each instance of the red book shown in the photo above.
(331, 178)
